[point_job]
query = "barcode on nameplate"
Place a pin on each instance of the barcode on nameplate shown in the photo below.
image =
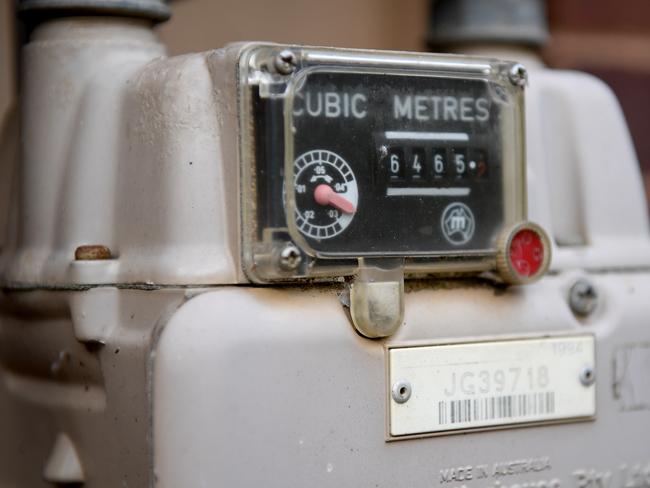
(504, 407)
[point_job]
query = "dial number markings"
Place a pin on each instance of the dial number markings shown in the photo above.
(326, 194)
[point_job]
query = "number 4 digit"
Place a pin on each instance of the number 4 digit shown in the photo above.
(417, 166)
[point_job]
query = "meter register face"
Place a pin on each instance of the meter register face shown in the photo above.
(363, 155)
(396, 164)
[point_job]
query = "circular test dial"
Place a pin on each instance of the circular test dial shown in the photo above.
(326, 194)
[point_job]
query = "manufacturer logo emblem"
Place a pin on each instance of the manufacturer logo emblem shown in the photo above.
(457, 223)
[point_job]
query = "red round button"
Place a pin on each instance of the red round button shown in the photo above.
(526, 252)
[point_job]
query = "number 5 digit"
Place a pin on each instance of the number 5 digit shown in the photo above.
(460, 163)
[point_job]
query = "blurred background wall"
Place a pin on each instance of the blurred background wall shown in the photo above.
(7, 62)
(198, 25)
(610, 38)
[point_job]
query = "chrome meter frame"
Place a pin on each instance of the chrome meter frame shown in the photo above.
(413, 165)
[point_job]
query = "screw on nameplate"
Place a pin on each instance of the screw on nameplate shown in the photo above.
(401, 391)
(587, 376)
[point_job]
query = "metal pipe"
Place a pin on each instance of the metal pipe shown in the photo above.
(36, 10)
(509, 22)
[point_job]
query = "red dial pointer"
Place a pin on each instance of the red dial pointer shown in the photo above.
(325, 195)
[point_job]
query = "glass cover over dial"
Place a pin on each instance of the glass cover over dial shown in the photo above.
(363, 156)
(392, 164)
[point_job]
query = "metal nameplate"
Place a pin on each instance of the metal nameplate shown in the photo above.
(447, 388)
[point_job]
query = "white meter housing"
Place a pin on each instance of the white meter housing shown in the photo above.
(287, 266)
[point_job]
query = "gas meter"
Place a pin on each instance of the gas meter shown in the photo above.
(287, 266)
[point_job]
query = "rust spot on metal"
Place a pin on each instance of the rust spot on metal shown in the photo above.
(92, 252)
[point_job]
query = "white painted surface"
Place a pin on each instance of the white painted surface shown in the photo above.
(261, 386)
(584, 182)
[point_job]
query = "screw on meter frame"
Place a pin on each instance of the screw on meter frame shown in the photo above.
(326, 194)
